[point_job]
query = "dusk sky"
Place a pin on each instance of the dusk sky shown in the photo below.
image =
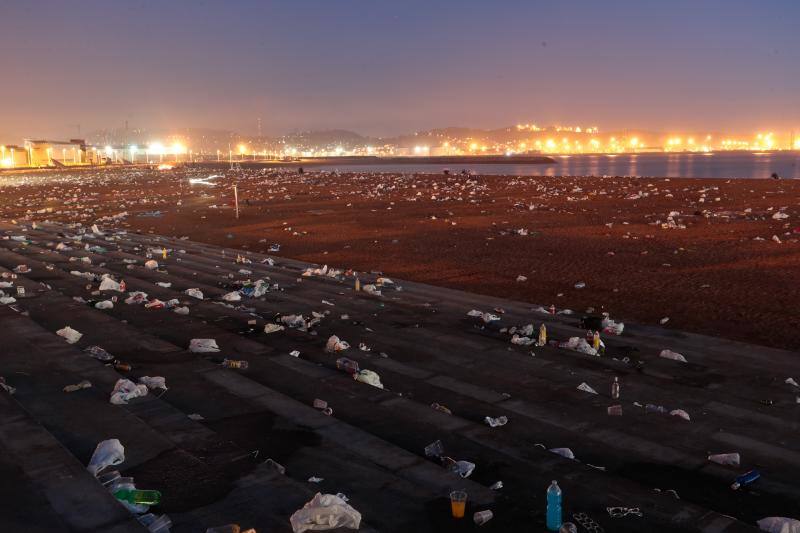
(388, 67)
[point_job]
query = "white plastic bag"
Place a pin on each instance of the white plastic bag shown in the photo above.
(675, 356)
(370, 378)
(107, 453)
(325, 512)
(779, 524)
(203, 345)
(151, 264)
(232, 297)
(334, 344)
(109, 284)
(70, 335)
(272, 328)
(155, 382)
(124, 390)
(194, 293)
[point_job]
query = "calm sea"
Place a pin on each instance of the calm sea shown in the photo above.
(722, 165)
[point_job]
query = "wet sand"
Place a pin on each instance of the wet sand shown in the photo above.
(716, 276)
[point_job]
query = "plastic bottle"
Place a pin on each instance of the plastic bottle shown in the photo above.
(746, 479)
(233, 363)
(552, 309)
(596, 340)
(358, 284)
(615, 388)
(553, 507)
(122, 285)
(136, 496)
(542, 335)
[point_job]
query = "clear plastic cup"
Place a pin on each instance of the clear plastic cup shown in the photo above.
(481, 517)
(458, 503)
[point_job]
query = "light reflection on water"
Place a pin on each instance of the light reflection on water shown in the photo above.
(686, 165)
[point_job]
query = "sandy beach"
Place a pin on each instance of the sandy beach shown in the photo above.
(715, 266)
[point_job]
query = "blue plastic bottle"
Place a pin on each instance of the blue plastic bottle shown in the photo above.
(746, 479)
(553, 507)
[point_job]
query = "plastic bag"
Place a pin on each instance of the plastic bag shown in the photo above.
(70, 335)
(194, 293)
(370, 378)
(203, 346)
(107, 453)
(779, 524)
(125, 390)
(272, 328)
(232, 297)
(325, 512)
(155, 382)
(728, 459)
(151, 264)
(109, 284)
(675, 356)
(336, 345)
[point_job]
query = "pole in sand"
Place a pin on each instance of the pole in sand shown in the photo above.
(236, 199)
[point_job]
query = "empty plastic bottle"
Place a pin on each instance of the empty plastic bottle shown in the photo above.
(746, 479)
(137, 496)
(233, 363)
(615, 388)
(553, 507)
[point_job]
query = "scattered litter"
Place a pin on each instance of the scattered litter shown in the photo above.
(72, 336)
(203, 346)
(85, 384)
(586, 388)
(681, 413)
(157, 382)
(334, 344)
(324, 512)
(369, 377)
(728, 459)
(273, 328)
(779, 524)
(107, 453)
(314, 479)
(675, 356)
(496, 422)
(126, 390)
(194, 293)
(563, 452)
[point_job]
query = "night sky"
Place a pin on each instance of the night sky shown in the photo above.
(387, 67)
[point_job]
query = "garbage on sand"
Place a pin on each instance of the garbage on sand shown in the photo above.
(156, 382)
(85, 384)
(727, 459)
(369, 377)
(578, 344)
(324, 512)
(203, 346)
(779, 524)
(675, 356)
(334, 344)
(125, 390)
(496, 422)
(107, 453)
(70, 335)
(586, 388)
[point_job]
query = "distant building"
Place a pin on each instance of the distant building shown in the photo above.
(12, 156)
(46, 153)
